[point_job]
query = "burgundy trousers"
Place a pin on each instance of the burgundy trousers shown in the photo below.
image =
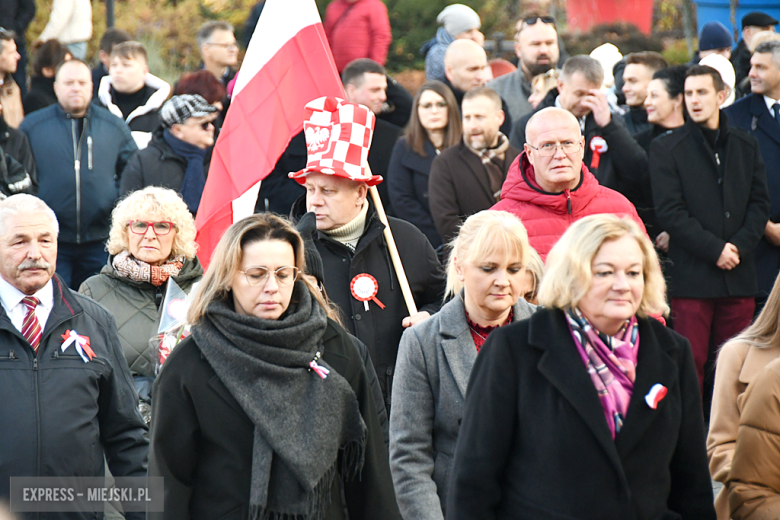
(709, 323)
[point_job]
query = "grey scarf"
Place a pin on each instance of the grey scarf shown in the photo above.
(302, 422)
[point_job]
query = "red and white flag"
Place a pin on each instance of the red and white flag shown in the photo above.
(288, 63)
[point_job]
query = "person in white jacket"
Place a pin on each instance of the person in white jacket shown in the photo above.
(70, 23)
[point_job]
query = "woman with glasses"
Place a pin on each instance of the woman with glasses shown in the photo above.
(434, 126)
(265, 410)
(152, 239)
(175, 156)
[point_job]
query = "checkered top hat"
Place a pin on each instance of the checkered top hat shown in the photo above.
(180, 108)
(338, 136)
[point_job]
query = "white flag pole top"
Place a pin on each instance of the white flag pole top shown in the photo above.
(280, 21)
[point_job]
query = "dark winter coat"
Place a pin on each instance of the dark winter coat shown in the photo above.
(16, 15)
(459, 187)
(752, 115)
(278, 192)
(136, 308)
(61, 414)
(202, 441)
(635, 119)
(81, 193)
(534, 443)
(622, 167)
(15, 143)
(380, 329)
(705, 198)
(145, 118)
(382, 144)
(407, 185)
(155, 165)
(40, 95)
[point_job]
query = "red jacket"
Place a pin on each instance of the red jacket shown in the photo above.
(547, 215)
(358, 29)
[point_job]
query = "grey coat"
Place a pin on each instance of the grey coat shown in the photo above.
(434, 363)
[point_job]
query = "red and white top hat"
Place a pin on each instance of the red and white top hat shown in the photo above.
(338, 137)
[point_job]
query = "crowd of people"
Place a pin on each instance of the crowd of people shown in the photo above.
(582, 238)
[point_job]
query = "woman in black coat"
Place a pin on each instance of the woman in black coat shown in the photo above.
(434, 126)
(589, 409)
(265, 411)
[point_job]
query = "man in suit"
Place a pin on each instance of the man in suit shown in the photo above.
(709, 188)
(467, 178)
(365, 82)
(758, 114)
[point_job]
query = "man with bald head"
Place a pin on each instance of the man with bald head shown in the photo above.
(548, 187)
(466, 68)
(80, 150)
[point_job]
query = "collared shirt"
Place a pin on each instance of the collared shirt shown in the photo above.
(769, 102)
(581, 120)
(11, 298)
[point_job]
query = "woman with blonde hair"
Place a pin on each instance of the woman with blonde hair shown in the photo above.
(265, 410)
(739, 362)
(589, 409)
(152, 239)
(485, 277)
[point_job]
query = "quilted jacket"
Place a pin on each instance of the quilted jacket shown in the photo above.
(548, 215)
(135, 306)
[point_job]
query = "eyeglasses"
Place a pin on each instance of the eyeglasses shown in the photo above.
(285, 275)
(441, 105)
(225, 45)
(140, 227)
(549, 149)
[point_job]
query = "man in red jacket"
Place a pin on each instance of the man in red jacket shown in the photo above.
(548, 187)
(357, 29)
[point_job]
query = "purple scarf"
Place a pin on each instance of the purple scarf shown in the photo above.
(611, 364)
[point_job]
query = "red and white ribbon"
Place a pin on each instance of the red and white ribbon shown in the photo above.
(81, 343)
(319, 369)
(364, 288)
(598, 146)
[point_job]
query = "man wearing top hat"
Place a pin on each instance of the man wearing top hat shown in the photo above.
(359, 275)
(752, 23)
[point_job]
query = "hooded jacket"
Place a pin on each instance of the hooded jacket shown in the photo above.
(78, 172)
(548, 215)
(145, 118)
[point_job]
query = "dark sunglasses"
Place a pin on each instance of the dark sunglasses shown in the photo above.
(205, 124)
(531, 20)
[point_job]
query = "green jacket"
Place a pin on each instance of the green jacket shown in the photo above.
(136, 308)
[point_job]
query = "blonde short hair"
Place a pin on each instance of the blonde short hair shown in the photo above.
(153, 203)
(535, 266)
(227, 257)
(569, 274)
(481, 235)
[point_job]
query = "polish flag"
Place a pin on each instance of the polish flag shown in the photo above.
(288, 63)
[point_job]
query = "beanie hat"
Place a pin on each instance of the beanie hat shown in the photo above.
(714, 35)
(458, 18)
(726, 71)
(180, 108)
(307, 226)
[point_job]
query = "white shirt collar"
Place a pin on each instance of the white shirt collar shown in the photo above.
(581, 120)
(769, 102)
(10, 296)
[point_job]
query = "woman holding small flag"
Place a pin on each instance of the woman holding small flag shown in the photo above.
(152, 240)
(589, 409)
(265, 410)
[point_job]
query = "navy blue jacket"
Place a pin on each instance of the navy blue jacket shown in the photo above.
(751, 114)
(60, 415)
(81, 192)
(407, 185)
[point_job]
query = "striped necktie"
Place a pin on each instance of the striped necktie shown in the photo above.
(31, 328)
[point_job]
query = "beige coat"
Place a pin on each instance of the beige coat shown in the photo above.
(738, 364)
(754, 479)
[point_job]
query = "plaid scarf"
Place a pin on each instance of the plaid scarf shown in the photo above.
(127, 265)
(493, 161)
(611, 364)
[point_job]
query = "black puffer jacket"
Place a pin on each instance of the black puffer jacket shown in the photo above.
(15, 143)
(61, 414)
(155, 165)
(136, 308)
(380, 329)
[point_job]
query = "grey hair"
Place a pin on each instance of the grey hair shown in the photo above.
(208, 28)
(771, 47)
(24, 203)
(585, 65)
